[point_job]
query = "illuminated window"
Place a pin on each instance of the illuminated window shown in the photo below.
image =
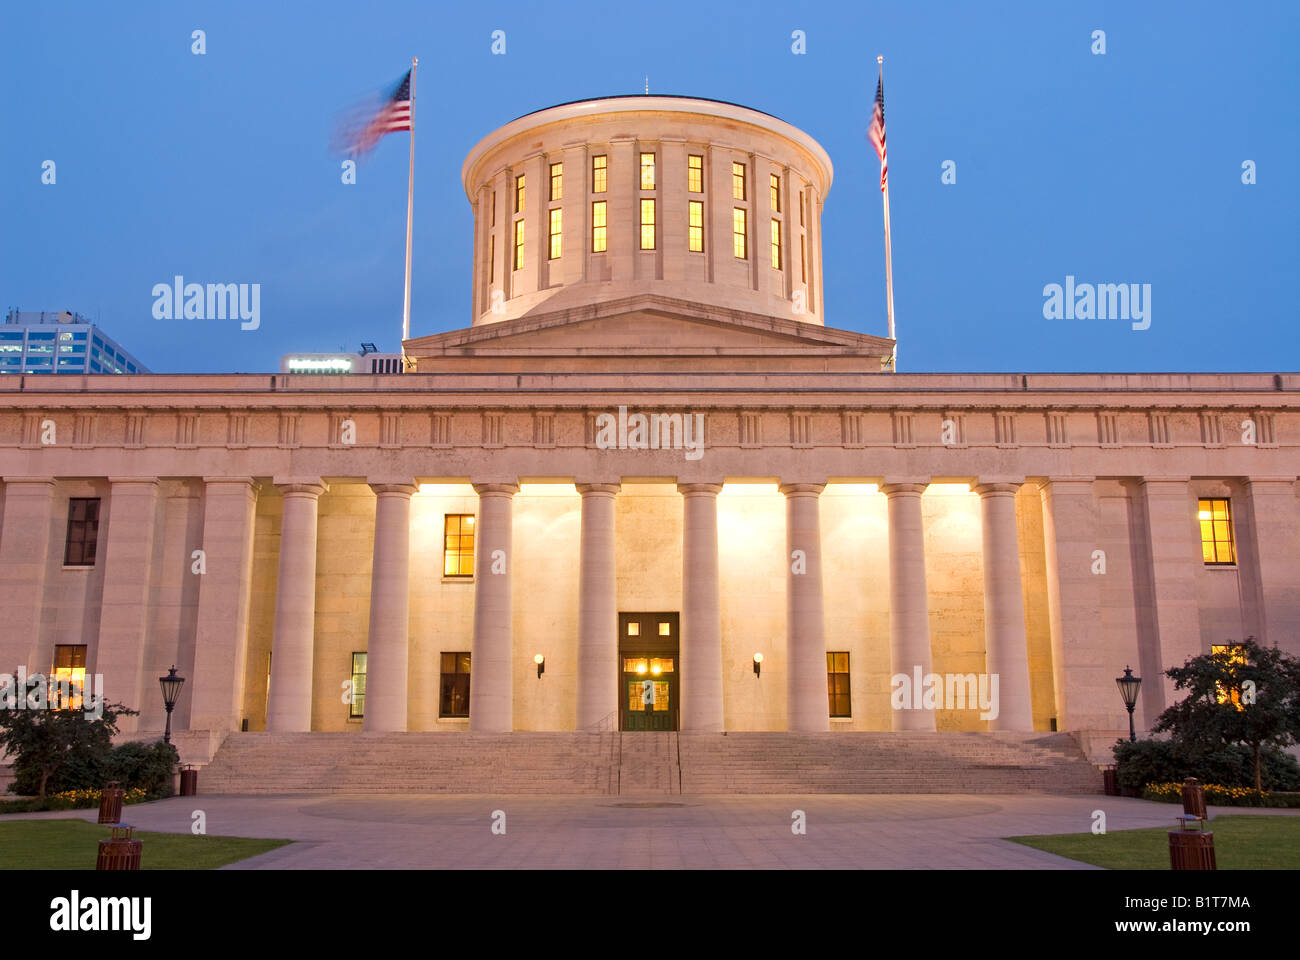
(695, 174)
(454, 701)
(738, 232)
(357, 707)
(647, 224)
(458, 545)
(738, 181)
(599, 169)
(1236, 655)
(555, 235)
(803, 260)
(557, 181)
(83, 531)
(492, 258)
(69, 676)
(695, 228)
(633, 629)
(1215, 516)
(775, 182)
(837, 684)
(647, 171)
(776, 244)
(519, 193)
(519, 244)
(598, 226)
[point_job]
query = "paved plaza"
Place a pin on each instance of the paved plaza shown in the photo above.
(677, 832)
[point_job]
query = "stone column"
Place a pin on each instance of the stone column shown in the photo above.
(289, 707)
(808, 706)
(701, 653)
(125, 608)
(390, 577)
(1006, 648)
(491, 687)
(1276, 514)
(221, 631)
(24, 556)
(909, 613)
(1174, 548)
(597, 610)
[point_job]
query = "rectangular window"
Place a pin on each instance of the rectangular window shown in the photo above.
(1236, 655)
(492, 258)
(519, 193)
(803, 260)
(801, 208)
(598, 227)
(357, 707)
(647, 224)
(557, 181)
(695, 174)
(458, 545)
(775, 181)
(738, 233)
(695, 229)
(647, 171)
(599, 169)
(494, 209)
(454, 701)
(83, 531)
(69, 674)
(555, 235)
(776, 244)
(837, 684)
(738, 181)
(519, 244)
(1215, 516)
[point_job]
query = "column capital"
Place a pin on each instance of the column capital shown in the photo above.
(247, 481)
(143, 481)
(391, 489)
(905, 487)
(496, 489)
(599, 489)
(1261, 481)
(997, 488)
(802, 489)
(301, 486)
(699, 489)
(31, 481)
(1047, 483)
(1153, 481)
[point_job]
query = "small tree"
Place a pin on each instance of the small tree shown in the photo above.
(42, 741)
(1250, 697)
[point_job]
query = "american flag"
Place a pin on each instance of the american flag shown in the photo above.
(360, 132)
(877, 131)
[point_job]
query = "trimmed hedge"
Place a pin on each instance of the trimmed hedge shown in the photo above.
(1166, 761)
(135, 765)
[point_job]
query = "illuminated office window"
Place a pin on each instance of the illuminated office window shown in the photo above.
(557, 181)
(837, 684)
(357, 708)
(458, 545)
(69, 676)
(695, 174)
(1236, 655)
(555, 235)
(1215, 516)
(519, 244)
(519, 193)
(598, 227)
(599, 171)
(738, 233)
(776, 244)
(647, 171)
(647, 224)
(695, 228)
(776, 193)
(738, 181)
(803, 260)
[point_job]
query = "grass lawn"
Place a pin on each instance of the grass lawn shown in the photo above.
(1241, 842)
(74, 845)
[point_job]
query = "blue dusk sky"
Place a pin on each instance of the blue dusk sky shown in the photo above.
(1122, 167)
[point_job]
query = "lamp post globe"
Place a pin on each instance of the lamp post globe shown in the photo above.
(1128, 690)
(171, 689)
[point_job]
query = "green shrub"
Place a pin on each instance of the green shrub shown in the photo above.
(144, 766)
(1221, 796)
(1164, 761)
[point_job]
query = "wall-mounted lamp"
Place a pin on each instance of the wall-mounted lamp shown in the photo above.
(758, 663)
(541, 665)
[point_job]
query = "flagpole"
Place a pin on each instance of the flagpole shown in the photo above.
(410, 198)
(889, 260)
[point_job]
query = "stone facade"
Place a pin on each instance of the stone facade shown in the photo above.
(946, 523)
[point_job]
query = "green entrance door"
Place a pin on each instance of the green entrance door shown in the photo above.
(649, 671)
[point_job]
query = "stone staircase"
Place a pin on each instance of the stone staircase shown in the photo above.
(649, 763)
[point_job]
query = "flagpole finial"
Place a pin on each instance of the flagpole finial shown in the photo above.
(414, 61)
(879, 59)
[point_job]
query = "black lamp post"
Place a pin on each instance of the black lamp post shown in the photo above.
(171, 689)
(1128, 689)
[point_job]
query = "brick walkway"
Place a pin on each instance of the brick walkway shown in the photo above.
(450, 832)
